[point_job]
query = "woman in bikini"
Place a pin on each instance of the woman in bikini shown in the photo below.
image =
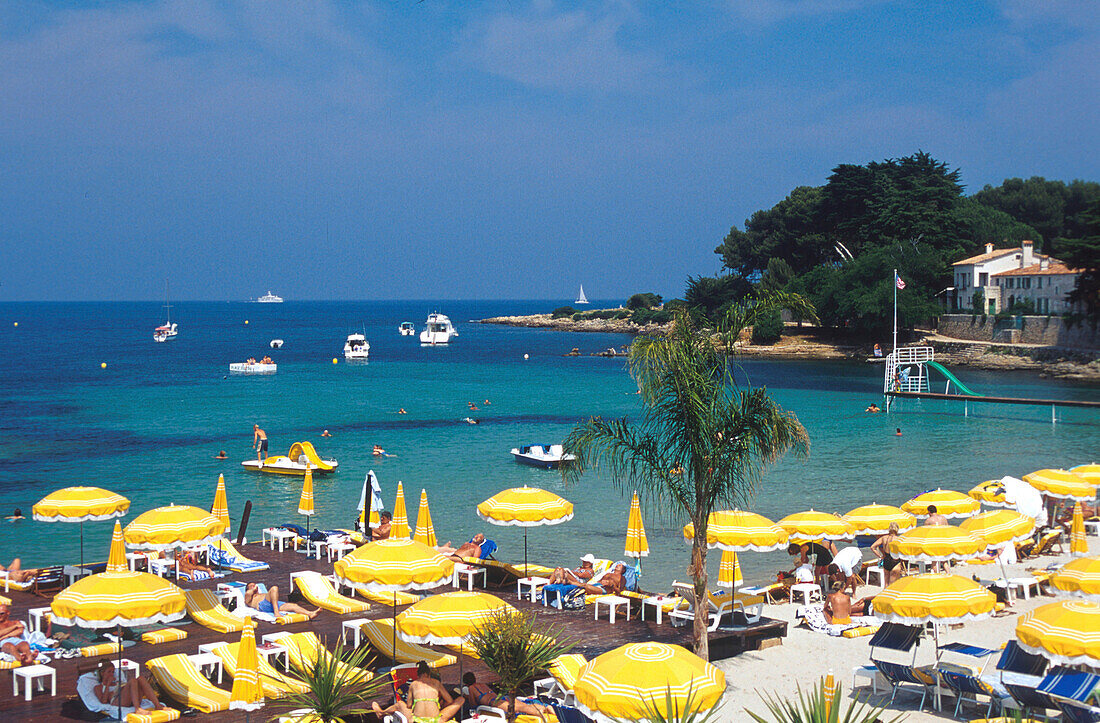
(481, 694)
(881, 549)
(424, 702)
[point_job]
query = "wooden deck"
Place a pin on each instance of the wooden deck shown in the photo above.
(593, 637)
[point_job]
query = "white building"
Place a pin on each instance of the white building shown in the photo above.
(1008, 276)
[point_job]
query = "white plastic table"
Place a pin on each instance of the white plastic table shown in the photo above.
(271, 534)
(132, 559)
(35, 616)
(658, 602)
(75, 572)
(29, 674)
(470, 572)
(532, 582)
(339, 549)
(270, 650)
(203, 661)
(353, 627)
(612, 602)
(808, 590)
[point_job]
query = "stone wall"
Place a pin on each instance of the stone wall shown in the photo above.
(1043, 330)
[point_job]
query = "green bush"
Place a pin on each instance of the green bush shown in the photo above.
(643, 301)
(768, 329)
(641, 317)
(562, 311)
(622, 314)
(578, 316)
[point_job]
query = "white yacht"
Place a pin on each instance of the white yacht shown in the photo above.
(356, 347)
(167, 330)
(581, 298)
(269, 298)
(407, 328)
(546, 456)
(437, 330)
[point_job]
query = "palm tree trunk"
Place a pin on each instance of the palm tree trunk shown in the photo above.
(699, 637)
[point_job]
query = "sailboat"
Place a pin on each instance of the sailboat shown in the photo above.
(581, 298)
(168, 329)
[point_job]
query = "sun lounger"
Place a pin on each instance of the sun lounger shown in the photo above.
(380, 635)
(241, 610)
(718, 606)
(206, 610)
(274, 683)
(387, 598)
(181, 681)
(901, 638)
(965, 681)
(564, 671)
(319, 590)
(304, 649)
(224, 554)
(813, 616)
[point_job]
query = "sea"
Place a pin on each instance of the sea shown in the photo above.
(87, 398)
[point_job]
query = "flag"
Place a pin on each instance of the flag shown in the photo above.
(900, 284)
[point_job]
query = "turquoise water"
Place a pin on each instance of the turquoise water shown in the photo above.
(149, 424)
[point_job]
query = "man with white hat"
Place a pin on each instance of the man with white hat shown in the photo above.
(576, 576)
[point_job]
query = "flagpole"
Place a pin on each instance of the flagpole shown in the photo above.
(895, 309)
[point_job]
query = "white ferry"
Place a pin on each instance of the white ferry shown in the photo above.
(437, 330)
(269, 298)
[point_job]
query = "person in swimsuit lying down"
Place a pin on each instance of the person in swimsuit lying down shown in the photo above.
(12, 641)
(611, 583)
(469, 549)
(576, 576)
(839, 607)
(427, 696)
(269, 602)
(481, 694)
(15, 573)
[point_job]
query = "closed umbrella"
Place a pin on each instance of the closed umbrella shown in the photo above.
(1061, 484)
(637, 545)
(116, 558)
(875, 519)
(80, 504)
(305, 502)
(247, 693)
(425, 531)
(1080, 577)
(1065, 633)
(948, 503)
(830, 694)
(399, 525)
(812, 525)
(221, 504)
(172, 526)
(369, 514)
(729, 570)
(1078, 545)
(525, 507)
(627, 683)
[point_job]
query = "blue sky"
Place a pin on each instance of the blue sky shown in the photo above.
(443, 149)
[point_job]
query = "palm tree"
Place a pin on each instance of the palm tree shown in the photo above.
(335, 694)
(704, 441)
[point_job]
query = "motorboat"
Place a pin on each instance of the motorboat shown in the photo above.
(167, 330)
(356, 347)
(276, 343)
(407, 328)
(251, 366)
(437, 330)
(269, 298)
(546, 456)
(302, 456)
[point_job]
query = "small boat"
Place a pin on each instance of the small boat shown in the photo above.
(264, 366)
(546, 456)
(581, 298)
(302, 456)
(168, 330)
(407, 328)
(437, 330)
(276, 343)
(356, 347)
(269, 298)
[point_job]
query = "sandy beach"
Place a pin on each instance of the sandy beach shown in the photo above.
(806, 656)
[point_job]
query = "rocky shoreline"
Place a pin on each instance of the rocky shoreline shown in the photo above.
(806, 343)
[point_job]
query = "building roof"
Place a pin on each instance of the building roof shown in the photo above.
(1056, 268)
(994, 254)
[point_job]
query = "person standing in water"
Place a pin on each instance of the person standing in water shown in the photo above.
(259, 441)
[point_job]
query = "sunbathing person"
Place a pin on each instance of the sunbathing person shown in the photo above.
(839, 607)
(189, 565)
(12, 641)
(612, 582)
(269, 602)
(16, 574)
(382, 532)
(481, 694)
(425, 702)
(134, 695)
(576, 576)
(469, 549)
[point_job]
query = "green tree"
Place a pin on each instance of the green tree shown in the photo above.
(790, 230)
(710, 296)
(643, 301)
(984, 224)
(1055, 209)
(1084, 254)
(778, 274)
(698, 420)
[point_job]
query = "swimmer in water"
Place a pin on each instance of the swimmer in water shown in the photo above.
(221, 455)
(873, 409)
(402, 411)
(325, 433)
(897, 433)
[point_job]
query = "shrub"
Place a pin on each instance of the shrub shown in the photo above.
(562, 311)
(641, 317)
(643, 301)
(768, 329)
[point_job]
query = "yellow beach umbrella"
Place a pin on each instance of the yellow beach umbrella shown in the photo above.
(739, 531)
(948, 503)
(812, 525)
(875, 519)
(637, 546)
(1078, 545)
(116, 559)
(626, 683)
(729, 570)
(448, 618)
(936, 544)
(1080, 577)
(1061, 484)
(221, 504)
(1089, 472)
(305, 502)
(1065, 633)
(999, 526)
(525, 507)
(425, 532)
(399, 525)
(990, 493)
(173, 526)
(934, 598)
(247, 693)
(80, 504)
(829, 689)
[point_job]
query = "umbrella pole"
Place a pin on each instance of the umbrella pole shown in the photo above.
(394, 628)
(526, 573)
(118, 671)
(82, 544)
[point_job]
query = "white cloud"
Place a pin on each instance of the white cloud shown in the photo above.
(773, 11)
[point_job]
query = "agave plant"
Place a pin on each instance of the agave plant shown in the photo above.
(671, 710)
(812, 707)
(334, 694)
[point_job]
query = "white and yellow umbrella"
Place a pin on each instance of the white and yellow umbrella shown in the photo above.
(305, 502)
(447, 619)
(934, 598)
(991, 493)
(221, 503)
(1089, 472)
(729, 571)
(1078, 545)
(80, 504)
(1080, 577)
(1065, 633)
(399, 524)
(425, 531)
(116, 558)
(525, 507)
(999, 526)
(936, 544)
(948, 503)
(173, 526)
(812, 525)
(739, 531)
(1061, 484)
(627, 683)
(247, 693)
(637, 545)
(875, 519)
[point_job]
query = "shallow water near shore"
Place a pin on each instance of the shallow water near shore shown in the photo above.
(149, 425)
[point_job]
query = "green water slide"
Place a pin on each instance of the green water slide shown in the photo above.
(953, 379)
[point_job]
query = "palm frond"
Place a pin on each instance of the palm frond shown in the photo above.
(335, 692)
(809, 707)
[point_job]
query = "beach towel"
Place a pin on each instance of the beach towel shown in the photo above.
(90, 651)
(813, 616)
(223, 554)
(165, 635)
(562, 597)
(195, 575)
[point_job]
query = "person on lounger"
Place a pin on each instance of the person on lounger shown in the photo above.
(15, 573)
(481, 694)
(134, 695)
(612, 582)
(469, 549)
(269, 602)
(12, 641)
(426, 701)
(576, 576)
(190, 566)
(839, 607)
